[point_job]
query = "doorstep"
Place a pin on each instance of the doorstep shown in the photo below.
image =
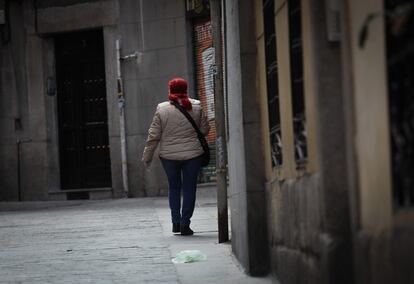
(82, 193)
(207, 184)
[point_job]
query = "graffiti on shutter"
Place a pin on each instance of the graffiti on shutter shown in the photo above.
(204, 56)
(208, 64)
(204, 78)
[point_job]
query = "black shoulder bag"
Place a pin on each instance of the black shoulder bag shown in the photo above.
(206, 156)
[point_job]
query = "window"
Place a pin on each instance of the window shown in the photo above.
(272, 82)
(400, 71)
(296, 63)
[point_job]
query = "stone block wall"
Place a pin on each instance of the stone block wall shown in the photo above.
(386, 256)
(294, 221)
(158, 30)
(29, 115)
(14, 112)
(309, 215)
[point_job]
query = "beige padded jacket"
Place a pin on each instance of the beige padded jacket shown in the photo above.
(174, 133)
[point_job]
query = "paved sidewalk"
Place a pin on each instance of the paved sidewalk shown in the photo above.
(111, 241)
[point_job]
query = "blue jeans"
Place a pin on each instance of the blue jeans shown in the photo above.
(182, 175)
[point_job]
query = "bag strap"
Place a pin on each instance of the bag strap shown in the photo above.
(190, 119)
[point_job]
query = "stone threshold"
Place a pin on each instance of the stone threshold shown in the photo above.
(80, 190)
(207, 184)
(82, 193)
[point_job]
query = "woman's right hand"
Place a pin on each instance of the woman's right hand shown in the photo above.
(147, 164)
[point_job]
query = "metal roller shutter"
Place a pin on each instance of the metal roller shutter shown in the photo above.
(204, 62)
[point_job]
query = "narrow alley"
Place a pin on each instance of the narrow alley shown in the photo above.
(294, 118)
(111, 241)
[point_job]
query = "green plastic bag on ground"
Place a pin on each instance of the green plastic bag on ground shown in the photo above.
(187, 256)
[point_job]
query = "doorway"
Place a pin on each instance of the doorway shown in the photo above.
(82, 111)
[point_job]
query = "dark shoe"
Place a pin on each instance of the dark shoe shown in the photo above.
(176, 228)
(186, 231)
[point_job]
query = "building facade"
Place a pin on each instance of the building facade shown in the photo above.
(60, 115)
(319, 119)
(378, 83)
(319, 139)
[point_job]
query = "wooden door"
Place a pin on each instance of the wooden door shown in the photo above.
(82, 111)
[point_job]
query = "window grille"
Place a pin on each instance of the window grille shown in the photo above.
(400, 69)
(272, 82)
(296, 63)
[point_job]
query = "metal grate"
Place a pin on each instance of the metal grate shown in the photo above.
(400, 68)
(296, 63)
(272, 82)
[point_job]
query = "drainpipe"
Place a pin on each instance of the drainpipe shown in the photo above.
(19, 187)
(221, 149)
(121, 106)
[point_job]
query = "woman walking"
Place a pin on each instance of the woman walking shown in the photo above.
(180, 151)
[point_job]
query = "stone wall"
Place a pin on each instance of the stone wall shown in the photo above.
(382, 237)
(307, 218)
(13, 102)
(294, 220)
(309, 215)
(387, 256)
(157, 29)
(29, 115)
(246, 168)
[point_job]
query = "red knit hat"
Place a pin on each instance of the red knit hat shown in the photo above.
(177, 91)
(177, 86)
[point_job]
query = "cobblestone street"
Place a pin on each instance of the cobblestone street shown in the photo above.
(111, 241)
